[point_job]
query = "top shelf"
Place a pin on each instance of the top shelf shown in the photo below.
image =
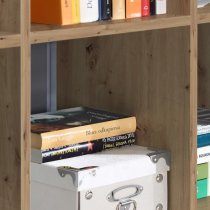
(47, 33)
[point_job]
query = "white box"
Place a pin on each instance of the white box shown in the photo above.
(128, 178)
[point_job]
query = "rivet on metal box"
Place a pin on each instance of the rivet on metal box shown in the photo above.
(129, 178)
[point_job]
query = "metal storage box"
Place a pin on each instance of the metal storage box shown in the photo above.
(132, 177)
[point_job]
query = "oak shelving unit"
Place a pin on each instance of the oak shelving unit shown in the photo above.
(146, 67)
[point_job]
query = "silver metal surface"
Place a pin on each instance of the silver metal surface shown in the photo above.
(127, 205)
(156, 155)
(89, 195)
(112, 195)
(159, 178)
(159, 207)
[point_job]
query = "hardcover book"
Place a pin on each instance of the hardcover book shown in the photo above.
(69, 151)
(105, 9)
(133, 8)
(202, 171)
(203, 126)
(160, 7)
(202, 188)
(152, 7)
(75, 11)
(145, 8)
(89, 11)
(57, 12)
(118, 9)
(76, 125)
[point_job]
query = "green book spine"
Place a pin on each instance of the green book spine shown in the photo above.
(202, 171)
(202, 188)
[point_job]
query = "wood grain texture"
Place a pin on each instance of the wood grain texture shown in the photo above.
(203, 65)
(204, 204)
(25, 104)
(145, 74)
(10, 16)
(46, 33)
(8, 40)
(10, 147)
(204, 15)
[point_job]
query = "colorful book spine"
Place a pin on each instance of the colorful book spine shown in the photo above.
(88, 11)
(203, 154)
(118, 9)
(145, 8)
(47, 12)
(133, 8)
(202, 188)
(42, 156)
(152, 7)
(160, 7)
(75, 11)
(202, 171)
(105, 9)
(203, 140)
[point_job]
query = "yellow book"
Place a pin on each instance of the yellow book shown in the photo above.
(118, 9)
(75, 11)
(77, 125)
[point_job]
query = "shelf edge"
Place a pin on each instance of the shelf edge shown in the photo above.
(9, 41)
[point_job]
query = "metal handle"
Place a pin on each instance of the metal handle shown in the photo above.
(112, 197)
(125, 205)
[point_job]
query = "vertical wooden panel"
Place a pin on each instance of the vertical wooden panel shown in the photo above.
(10, 16)
(25, 104)
(146, 74)
(10, 157)
(204, 65)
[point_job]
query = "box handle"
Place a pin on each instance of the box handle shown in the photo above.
(112, 195)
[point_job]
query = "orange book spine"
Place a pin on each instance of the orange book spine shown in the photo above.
(133, 8)
(66, 12)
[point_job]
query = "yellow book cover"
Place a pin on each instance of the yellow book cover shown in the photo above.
(75, 11)
(77, 125)
(118, 9)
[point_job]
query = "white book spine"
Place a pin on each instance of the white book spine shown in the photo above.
(203, 129)
(88, 11)
(203, 154)
(160, 7)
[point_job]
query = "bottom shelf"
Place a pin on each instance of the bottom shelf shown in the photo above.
(204, 203)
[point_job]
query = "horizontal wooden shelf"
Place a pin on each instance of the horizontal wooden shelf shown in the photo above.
(8, 40)
(204, 204)
(204, 15)
(47, 33)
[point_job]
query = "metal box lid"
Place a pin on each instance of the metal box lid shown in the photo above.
(100, 169)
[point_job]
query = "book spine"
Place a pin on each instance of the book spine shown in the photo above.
(203, 129)
(202, 171)
(145, 8)
(152, 7)
(88, 11)
(88, 132)
(203, 154)
(66, 9)
(87, 147)
(160, 7)
(202, 188)
(75, 11)
(118, 9)
(105, 9)
(203, 140)
(133, 8)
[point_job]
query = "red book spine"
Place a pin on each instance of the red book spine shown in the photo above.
(145, 8)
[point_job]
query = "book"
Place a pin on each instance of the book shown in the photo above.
(88, 11)
(133, 8)
(203, 126)
(203, 154)
(118, 9)
(203, 140)
(57, 12)
(152, 7)
(202, 171)
(105, 9)
(202, 188)
(76, 125)
(160, 7)
(43, 156)
(75, 11)
(145, 8)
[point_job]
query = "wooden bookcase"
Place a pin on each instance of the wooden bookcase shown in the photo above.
(146, 67)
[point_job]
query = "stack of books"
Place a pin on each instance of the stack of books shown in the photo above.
(203, 153)
(65, 12)
(78, 131)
